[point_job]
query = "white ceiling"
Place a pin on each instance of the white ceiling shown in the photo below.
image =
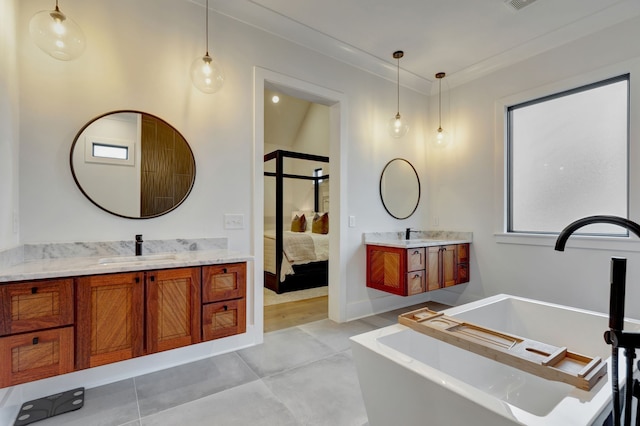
(464, 38)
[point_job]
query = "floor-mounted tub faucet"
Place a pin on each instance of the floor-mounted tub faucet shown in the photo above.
(615, 336)
(139, 244)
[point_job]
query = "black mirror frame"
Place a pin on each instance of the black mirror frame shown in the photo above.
(75, 140)
(419, 189)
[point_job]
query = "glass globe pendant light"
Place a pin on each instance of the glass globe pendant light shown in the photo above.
(397, 126)
(206, 71)
(441, 135)
(57, 34)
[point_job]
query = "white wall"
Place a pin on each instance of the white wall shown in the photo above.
(9, 125)
(466, 179)
(143, 63)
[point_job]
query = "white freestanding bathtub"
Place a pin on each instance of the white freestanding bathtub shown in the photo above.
(408, 378)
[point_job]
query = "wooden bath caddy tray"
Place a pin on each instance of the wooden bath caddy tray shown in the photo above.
(541, 359)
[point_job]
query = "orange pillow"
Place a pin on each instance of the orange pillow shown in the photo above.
(320, 224)
(299, 224)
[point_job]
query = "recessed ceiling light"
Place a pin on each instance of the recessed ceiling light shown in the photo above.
(275, 99)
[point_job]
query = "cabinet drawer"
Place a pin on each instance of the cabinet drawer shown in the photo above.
(35, 356)
(415, 282)
(36, 305)
(222, 282)
(415, 259)
(223, 319)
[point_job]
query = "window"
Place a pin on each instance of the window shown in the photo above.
(110, 151)
(116, 152)
(567, 158)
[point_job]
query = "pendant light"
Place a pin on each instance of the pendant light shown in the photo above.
(397, 126)
(441, 135)
(57, 34)
(206, 72)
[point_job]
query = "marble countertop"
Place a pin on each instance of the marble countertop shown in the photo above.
(59, 260)
(418, 238)
(77, 266)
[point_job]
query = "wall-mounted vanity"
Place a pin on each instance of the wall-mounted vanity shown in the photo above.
(101, 305)
(431, 260)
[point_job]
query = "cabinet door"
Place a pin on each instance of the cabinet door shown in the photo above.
(36, 305)
(223, 282)
(449, 265)
(433, 268)
(110, 318)
(386, 269)
(173, 308)
(222, 319)
(35, 356)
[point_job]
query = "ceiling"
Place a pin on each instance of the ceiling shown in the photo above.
(464, 38)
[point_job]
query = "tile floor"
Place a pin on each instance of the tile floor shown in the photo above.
(301, 375)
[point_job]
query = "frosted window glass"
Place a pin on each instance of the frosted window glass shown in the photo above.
(110, 151)
(568, 157)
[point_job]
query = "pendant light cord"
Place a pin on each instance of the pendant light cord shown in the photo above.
(206, 25)
(398, 85)
(440, 104)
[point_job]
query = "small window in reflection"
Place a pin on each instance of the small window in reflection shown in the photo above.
(110, 151)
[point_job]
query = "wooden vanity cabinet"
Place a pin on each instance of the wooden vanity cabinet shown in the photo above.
(396, 270)
(122, 316)
(223, 298)
(415, 270)
(37, 322)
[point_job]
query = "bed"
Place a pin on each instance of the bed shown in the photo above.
(295, 260)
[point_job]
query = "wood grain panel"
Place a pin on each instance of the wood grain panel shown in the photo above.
(415, 259)
(35, 305)
(449, 265)
(223, 319)
(386, 269)
(173, 308)
(415, 283)
(167, 167)
(222, 282)
(36, 355)
(110, 315)
(433, 268)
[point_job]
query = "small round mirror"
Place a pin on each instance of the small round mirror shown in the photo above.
(400, 188)
(132, 164)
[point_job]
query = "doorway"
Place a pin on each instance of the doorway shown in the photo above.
(304, 91)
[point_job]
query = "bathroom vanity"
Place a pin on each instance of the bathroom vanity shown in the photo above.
(67, 314)
(429, 261)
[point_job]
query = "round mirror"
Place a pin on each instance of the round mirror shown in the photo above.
(400, 188)
(132, 164)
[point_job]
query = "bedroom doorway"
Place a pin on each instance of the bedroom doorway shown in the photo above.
(296, 208)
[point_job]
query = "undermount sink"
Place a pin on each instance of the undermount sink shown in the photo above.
(135, 259)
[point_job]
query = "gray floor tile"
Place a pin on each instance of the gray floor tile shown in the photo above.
(325, 392)
(282, 350)
(249, 404)
(109, 405)
(379, 321)
(167, 388)
(336, 335)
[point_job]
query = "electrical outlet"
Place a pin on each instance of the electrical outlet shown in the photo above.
(233, 221)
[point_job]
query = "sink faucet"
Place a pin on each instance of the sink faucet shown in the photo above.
(407, 234)
(138, 244)
(614, 336)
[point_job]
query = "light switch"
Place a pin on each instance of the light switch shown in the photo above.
(233, 221)
(352, 221)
